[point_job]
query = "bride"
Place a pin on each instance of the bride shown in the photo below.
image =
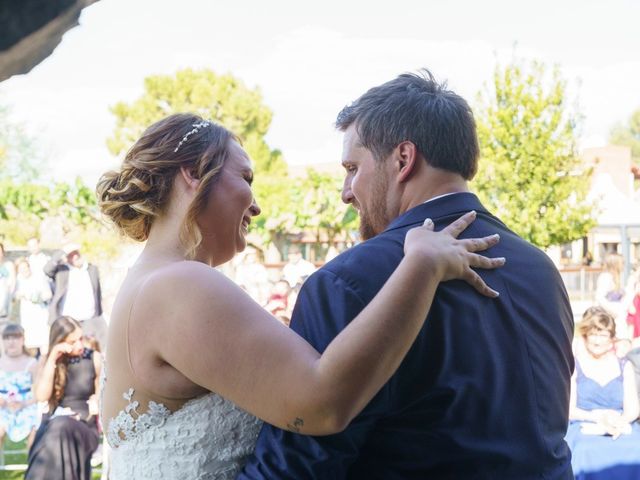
(192, 360)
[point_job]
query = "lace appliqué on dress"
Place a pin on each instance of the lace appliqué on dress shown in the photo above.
(208, 438)
(129, 423)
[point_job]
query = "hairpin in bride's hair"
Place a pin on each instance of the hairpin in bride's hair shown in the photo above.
(196, 127)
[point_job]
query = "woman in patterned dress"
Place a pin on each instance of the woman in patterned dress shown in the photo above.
(18, 409)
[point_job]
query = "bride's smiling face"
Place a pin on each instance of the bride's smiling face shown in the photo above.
(224, 223)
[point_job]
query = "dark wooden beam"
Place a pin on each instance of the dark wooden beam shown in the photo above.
(31, 29)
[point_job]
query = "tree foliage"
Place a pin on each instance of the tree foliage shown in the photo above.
(25, 206)
(319, 207)
(226, 100)
(628, 134)
(309, 205)
(221, 98)
(20, 158)
(530, 173)
(289, 206)
(28, 204)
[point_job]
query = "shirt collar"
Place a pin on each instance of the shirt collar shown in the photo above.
(83, 268)
(448, 205)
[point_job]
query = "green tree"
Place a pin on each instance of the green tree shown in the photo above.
(530, 173)
(628, 134)
(31, 207)
(226, 100)
(20, 158)
(319, 208)
(24, 206)
(310, 205)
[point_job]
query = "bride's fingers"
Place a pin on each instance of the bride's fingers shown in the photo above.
(479, 244)
(480, 261)
(458, 226)
(473, 279)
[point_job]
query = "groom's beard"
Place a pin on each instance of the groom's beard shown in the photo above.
(374, 219)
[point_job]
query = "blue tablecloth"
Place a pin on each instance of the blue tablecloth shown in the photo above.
(596, 457)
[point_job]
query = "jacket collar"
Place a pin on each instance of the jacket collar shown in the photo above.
(455, 204)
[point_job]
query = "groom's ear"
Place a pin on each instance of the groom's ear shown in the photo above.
(406, 156)
(190, 180)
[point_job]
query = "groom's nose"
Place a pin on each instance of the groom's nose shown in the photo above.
(347, 194)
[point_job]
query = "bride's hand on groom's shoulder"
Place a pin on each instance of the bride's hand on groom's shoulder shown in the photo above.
(450, 257)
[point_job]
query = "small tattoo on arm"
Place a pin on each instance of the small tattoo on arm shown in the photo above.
(298, 423)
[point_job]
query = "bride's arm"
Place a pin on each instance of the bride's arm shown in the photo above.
(220, 339)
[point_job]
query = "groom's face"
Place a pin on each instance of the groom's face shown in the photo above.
(366, 185)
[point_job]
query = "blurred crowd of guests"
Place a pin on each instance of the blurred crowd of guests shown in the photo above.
(276, 290)
(620, 299)
(37, 288)
(604, 434)
(52, 402)
(52, 328)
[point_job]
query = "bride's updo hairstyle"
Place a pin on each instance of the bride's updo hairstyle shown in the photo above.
(134, 196)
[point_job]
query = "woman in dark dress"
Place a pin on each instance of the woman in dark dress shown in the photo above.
(68, 379)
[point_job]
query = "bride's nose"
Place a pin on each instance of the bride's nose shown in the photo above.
(254, 208)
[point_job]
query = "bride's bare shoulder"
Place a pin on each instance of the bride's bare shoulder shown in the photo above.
(185, 278)
(186, 271)
(193, 267)
(193, 293)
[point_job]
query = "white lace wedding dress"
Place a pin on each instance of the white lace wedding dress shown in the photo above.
(208, 438)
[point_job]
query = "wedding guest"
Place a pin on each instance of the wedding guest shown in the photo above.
(18, 410)
(603, 434)
(634, 358)
(7, 287)
(91, 342)
(33, 293)
(610, 292)
(68, 379)
(621, 347)
(609, 283)
(37, 258)
(252, 276)
(633, 312)
(77, 291)
(297, 269)
(279, 302)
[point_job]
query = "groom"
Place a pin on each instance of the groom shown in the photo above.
(484, 391)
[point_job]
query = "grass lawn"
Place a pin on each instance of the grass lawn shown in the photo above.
(19, 462)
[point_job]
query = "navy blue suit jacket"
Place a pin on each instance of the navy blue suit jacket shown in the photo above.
(483, 392)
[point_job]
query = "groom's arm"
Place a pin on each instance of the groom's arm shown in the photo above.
(326, 304)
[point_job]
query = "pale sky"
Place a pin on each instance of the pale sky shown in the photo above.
(311, 58)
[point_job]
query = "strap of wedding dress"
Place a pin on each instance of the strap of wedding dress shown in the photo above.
(126, 335)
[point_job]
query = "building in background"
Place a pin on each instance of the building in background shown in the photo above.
(615, 190)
